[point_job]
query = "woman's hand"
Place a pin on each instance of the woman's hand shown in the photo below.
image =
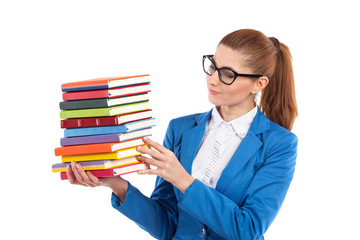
(168, 166)
(78, 176)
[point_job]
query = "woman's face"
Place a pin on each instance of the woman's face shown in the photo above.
(241, 91)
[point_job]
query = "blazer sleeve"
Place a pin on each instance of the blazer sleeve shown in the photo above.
(263, 197)
(158, 214)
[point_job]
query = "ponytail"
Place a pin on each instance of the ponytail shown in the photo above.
(269, 57)
(278, 101)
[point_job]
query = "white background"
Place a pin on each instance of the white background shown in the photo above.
(46, 43)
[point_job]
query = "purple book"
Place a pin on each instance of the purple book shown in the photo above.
(83, 163)
(116, 137)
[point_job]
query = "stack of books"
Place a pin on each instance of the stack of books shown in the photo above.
(104, 121)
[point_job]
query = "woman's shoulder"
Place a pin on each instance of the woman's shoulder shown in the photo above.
(280, 137)
(280, 131)
(269, 129)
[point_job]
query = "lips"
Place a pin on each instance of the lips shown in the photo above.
(213, 92)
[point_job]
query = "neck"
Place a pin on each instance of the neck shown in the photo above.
(229, 113)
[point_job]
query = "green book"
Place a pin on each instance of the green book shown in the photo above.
(104, 112)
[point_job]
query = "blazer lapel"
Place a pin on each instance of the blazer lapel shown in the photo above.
(191, 140)
(248, 146)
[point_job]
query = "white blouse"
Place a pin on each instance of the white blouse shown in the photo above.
(220, 141)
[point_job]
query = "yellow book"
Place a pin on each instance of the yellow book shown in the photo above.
(102, 156)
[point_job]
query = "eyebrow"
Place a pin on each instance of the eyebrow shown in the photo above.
(224, 66)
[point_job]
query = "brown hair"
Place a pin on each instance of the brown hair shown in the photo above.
(269, 57)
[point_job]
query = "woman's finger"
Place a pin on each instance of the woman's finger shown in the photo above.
(92, 177)
(79, 176)
(72, 177)
(82, 173)
(85, 178)
(149, 172)
(76, 172)
(153, 153)
(150, 161)
(155, 145)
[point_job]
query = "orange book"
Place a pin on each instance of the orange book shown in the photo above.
(97, 148)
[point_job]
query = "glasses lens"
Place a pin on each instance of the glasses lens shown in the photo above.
(226, 75)
(208, 65)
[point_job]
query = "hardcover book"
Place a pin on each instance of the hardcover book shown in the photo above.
(127, 127)
(117, 137)
(104, 83)
(124, 153)
(107, 93)
(95, 165)
(97, 148)
(113, 172)
(105, 121)
(103, 102)
(103, 112)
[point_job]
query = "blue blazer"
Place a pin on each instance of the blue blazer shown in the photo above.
(247, 196)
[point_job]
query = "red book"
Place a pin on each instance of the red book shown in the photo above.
(107, 93)
(113, 172)
(105, 121)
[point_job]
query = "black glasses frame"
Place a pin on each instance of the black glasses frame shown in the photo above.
(235, 73)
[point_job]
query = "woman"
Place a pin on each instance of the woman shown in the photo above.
(222, 174)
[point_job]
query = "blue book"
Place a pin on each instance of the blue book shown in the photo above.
(106, 138)
(127, 127)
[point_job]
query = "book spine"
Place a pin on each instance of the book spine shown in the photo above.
(104, 121)
(82, 113)
(85, 88)
(124, 153)
(97, 82)
(81, 95)
(89, 157)
(111, 172)
(97, 173)
(88, 165)
(89, 122)
(90, 139)
(83, 149)
(79, 132)
(83, 104)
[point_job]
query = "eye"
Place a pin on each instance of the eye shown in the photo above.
(227, 74)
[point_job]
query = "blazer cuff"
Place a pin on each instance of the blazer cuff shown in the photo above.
(187, 196)
(117, 204)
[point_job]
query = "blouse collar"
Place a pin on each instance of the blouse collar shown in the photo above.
(240, 125)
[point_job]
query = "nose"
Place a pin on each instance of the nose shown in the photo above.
(213, 79)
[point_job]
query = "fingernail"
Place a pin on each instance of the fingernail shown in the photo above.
(139, 148)
(72, 165)
(145, 138)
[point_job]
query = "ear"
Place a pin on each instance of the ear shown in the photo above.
(260, 84)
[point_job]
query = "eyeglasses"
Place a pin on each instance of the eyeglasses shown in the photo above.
(226, 75)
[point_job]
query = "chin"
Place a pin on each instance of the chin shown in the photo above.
(220, 101)
(214, 100)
